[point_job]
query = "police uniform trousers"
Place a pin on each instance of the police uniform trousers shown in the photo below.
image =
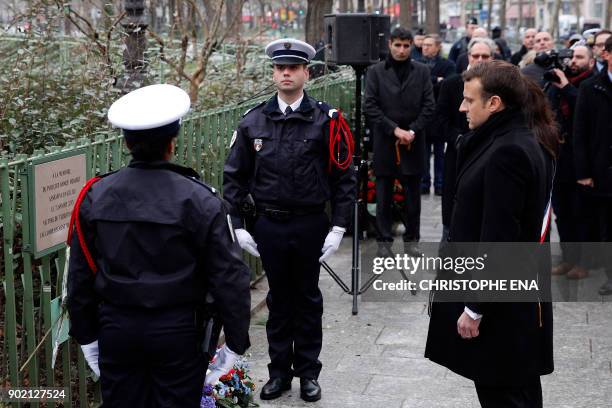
(150, 357)
(526, 396)
(290, 248)
(412, 207)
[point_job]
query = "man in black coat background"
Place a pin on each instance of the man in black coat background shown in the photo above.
(503, 185)
(528, 40)
(399, 103)
(593, 148)
(440, 68)
(570, 200)
(453, 123)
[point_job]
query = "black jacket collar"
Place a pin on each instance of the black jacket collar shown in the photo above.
(475, 143)
(164, 165)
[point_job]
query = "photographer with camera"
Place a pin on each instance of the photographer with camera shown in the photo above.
(543, 44)
(570, 202)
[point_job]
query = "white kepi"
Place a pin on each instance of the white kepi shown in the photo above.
(149, 107)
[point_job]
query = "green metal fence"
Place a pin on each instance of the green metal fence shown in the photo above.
(29, 284)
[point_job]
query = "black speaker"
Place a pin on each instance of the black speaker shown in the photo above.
(356, 38)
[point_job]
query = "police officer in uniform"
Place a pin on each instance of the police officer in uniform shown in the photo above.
(280, 157)
(148, 242)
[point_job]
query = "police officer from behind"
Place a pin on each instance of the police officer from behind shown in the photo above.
(148, 242)
(280, 156)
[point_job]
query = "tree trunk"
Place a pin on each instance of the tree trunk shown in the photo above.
(520, 14)
(432, 16)
(406, 13)
(554, 31)
(490, 10)
(315, 30)
(344, 6)
(578, 12)
(608, 20)
(136, 45)
(502, 14)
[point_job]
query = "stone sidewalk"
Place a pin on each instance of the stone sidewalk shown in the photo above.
(375, 359)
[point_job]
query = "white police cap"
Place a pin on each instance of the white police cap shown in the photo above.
(289, 51)
(149, 107)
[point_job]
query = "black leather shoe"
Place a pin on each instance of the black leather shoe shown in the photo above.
(274, 388)
(310, 390)
(606, 288)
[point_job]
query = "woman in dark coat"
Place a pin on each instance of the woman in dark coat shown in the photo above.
(505, 170)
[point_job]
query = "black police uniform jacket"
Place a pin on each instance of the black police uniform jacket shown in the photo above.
(159, 239)
(503, 185)
(389, 104)
(283, 161)
(593, 133)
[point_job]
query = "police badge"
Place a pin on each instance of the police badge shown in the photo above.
(257, 144)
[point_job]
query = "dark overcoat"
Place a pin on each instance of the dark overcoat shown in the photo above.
(389, 104)
(593, 133)
(503, 184)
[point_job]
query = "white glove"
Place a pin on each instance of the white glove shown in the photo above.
(90, 351)
(332, 242)
(246, 242)
(223, 362)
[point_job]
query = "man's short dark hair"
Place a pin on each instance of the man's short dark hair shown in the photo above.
(401, 34)
(608, 46)
(600, 32)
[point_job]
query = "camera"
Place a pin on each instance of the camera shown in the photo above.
(554, 59)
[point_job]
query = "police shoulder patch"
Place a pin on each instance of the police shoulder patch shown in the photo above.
(328, 110)
(254, 107)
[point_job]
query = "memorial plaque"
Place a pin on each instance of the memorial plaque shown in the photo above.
(55, 185)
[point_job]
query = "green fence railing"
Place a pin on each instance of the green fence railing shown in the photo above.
(29, 285)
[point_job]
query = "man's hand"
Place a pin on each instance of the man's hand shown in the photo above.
(91, 352)
(223, 362)
(405, 136)
(562, 78)
(332, 242)
(467, 327)
(246, 242)
(588, 182)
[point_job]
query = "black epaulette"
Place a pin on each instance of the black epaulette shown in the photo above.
(254, 107)
(213, 190)
(328, 110)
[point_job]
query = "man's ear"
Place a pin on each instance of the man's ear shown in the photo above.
(495, 104)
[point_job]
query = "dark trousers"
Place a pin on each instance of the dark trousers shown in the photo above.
(290, 251)
(604, 205)
(528, 396)
(572, 218)
(412, 207)
(438, 153)
(150, 358)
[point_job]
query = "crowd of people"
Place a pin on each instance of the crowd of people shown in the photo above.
(576, 82)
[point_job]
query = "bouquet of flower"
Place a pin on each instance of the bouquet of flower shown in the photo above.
(234, 389)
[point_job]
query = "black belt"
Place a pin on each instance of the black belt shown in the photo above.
(285, 212)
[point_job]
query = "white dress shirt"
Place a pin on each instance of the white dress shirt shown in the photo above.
(283, 105)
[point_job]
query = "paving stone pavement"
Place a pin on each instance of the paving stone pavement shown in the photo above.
(375, 359)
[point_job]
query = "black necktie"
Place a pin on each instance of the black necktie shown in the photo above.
(288, 110)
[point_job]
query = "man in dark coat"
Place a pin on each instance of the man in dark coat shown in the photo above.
(399, 103)
(543, 42)
(280, 155)
(150, 241)
(503, 186)
(462, 61)
(569, 200)
(440, 68)
(599, 43)
(528, 38)
(460, 46)
(593, 147)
